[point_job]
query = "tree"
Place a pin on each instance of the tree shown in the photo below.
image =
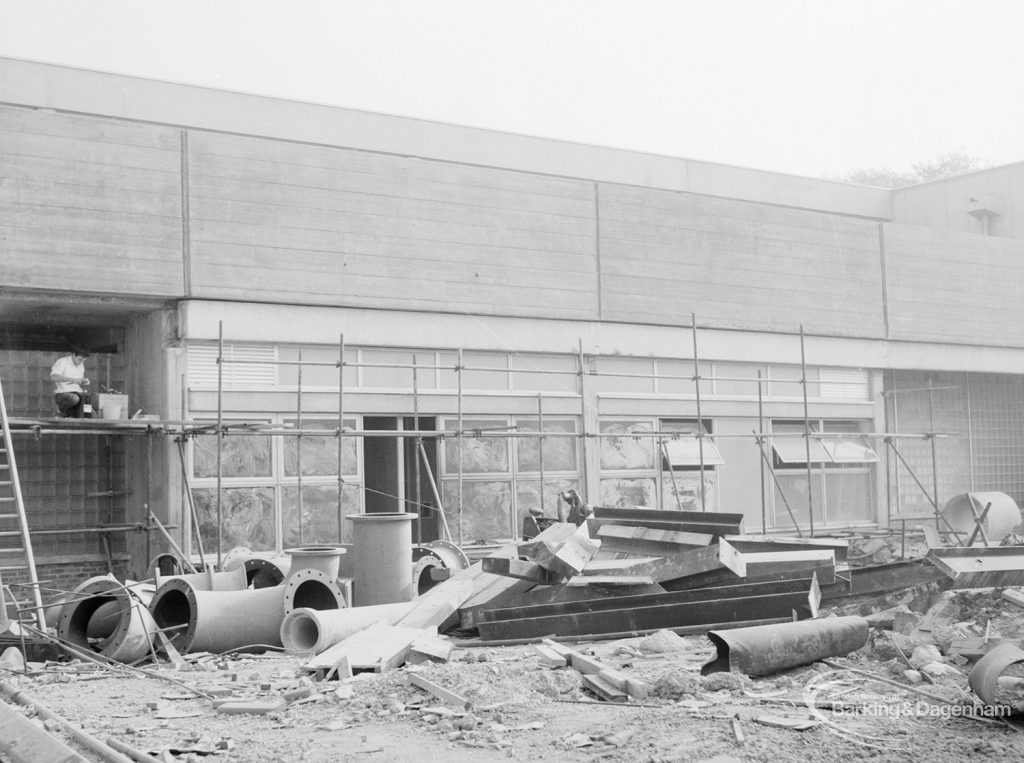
(943, 165)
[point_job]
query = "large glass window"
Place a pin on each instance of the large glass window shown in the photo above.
(260, 475)
(841, 474)
(501, 474)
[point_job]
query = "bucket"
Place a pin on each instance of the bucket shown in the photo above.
(111, 412)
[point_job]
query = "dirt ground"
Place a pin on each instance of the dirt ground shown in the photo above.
(522, 710)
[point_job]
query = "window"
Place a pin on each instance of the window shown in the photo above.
(641, 468)
(841, 474)
(260, 477)
(501, 475)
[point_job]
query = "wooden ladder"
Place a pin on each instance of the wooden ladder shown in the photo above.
(15, 542)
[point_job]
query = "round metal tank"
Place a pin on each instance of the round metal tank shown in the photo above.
(1002, 517)
(381, 550)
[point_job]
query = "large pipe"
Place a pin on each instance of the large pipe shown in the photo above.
(1002, 517)
(126, 639)
(261, 571)
(984, 677)
(327, 559)
(208, 580)
(766, 649)
(312, 589)
(381, 550)
(218, 621)
(312, 630)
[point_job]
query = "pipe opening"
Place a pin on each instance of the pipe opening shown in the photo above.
(721, 662)
(303, 633)
(172, 608)
(78, 624)
(314, 594)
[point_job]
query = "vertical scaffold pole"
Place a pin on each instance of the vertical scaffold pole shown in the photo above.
(341, 438)
(585, 475)
(419, 444)
(298, 448)
(220, 436)
(700, 420)
(807, 432)
(760, 446)
(458, 437)
(931, 438)
(540, 446)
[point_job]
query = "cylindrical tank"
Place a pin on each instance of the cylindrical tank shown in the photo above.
(1002, 517)
(381, 551)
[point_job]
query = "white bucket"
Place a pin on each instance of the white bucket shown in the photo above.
(111, 412)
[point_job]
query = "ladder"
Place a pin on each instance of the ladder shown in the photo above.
(15, 542)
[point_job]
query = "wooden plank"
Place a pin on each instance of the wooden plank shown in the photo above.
(431, 609)
(549, 657)
(517, 568)
(752, 543)
(603, 689)
(440, 692)
(1014, 596)
(378, 648)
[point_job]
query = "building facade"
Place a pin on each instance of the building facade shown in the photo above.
(673, 328)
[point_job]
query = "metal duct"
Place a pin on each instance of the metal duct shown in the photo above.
(260, 571)
(218, 621)
(766, 649)
(437, 554)
(208, 580)
(126, 639)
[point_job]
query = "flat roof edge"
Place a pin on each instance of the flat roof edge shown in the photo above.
(67, 89)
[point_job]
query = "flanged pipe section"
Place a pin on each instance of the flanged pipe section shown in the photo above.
(218, 621)
(312, 589)
(122, 618)
(313, 630)
(435, 555)
(381, 550)
(1002, 517)
(230, 580)
(765, 649)
(327, 559)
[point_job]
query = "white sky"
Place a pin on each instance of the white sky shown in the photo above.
(812, 87)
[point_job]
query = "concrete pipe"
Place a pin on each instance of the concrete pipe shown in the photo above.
(327, 559)
(196, 620)
(312, 630)
(312, 589)
(1002, 517)
(261, 570)
(381, 550)
(435, 555)
(208, 580)
(102, 598)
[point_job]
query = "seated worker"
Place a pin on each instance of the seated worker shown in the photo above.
(68, 373)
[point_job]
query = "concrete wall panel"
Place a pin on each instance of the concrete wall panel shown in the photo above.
(89, 205)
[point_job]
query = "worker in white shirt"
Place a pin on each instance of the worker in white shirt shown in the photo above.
(68, 373)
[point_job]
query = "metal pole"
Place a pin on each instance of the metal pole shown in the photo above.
(585, 476)
(433, 488)
(540, 446)
(298, 447)
(419, 444)
(663, 454)
(341, 427)
(760, 445)
(191, 501)
(458, 437)
(931, 439)
(807, 432)
(700, 421)
(775, 481)
(220, 435)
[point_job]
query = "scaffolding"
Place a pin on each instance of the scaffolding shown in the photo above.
(761, 437)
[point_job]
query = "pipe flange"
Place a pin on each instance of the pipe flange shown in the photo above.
(174, 610)
(129, 639)
(312, 589)
(266, 573)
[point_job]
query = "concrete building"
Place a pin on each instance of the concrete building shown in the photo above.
(485, 284)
